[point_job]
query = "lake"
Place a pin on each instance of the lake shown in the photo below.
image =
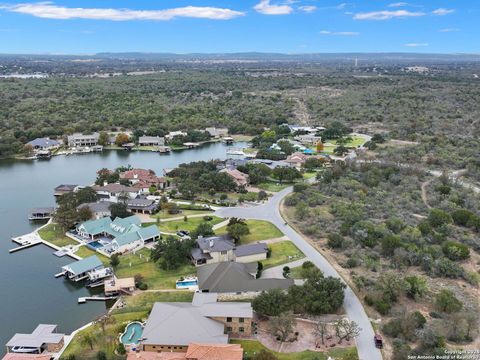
(30, 293)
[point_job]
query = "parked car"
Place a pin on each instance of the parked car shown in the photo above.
(378, 341)
(183, 233)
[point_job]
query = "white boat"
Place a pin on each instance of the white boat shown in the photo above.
(236, 152)
(23, 350)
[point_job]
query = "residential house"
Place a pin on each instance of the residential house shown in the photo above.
(64, 189)
(119, 235)
(296, 160)
(238, 177)
(142, 205)
(44, 144)
(172, 326)
(217, 132)
(234, 277)
(194, 351)
(80, 269)
(172, 134)
(116, 192)
(305, 129)
(151, 141)
(218, 249)
(43, 339)
(99, 209)
(144, 179)
(308, 139)
(82, 140)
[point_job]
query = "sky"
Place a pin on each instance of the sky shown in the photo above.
(228, 26)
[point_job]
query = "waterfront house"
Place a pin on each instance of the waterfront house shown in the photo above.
(238, 177)
(44, 144)
(117, 236)
(142, 178)
(172, 326)
(64, 189)
(151, 141)
(194, 351)
(99, 209)
(217, 249)
(43, 339)
(173, 134)
(217, 132)
(41, 213)
(234, 277)
(82, 140)
(115, 192)
(142, 205)
(79, 270)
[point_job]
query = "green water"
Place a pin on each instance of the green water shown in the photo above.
(30, 294)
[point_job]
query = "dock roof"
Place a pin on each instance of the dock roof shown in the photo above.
(84, 265)
(43, 334)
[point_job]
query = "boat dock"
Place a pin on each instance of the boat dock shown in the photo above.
(26, 241)
(83, 300)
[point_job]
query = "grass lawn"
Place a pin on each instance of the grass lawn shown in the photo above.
(54, 234)
(259, 230)
(273, 186)
(296, 273)
(252, 347)
(282, 252)
(166, 215)
(190, 224)
(309, 175)
(356, 141)
(137, 308)
(84, 252)
(153, 275)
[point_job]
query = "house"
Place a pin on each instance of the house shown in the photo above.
(99, 209)
(64, 189)
(44, 144)
(142, 205)
(172, 326)
(217, 132)
(81, 140)
(142, 178)
(43, 339)
(151, 141)
(80, 269)
(238, 177)
(115, 192)
(218, 249)
(172, 134)
(235, 277)
(119, 235)
(194, 351)
(305, 129)
(308, 139)
(296, 160)
(115, 286)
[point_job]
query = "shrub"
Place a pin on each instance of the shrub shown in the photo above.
(300, 187)
(462, 216)
(446, 301)
(121, 349)
(438, 217)
(143, 286)
(335, 241)
(382, 306)
(101, 355)
(455, 250)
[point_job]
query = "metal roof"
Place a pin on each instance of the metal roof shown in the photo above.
(84, 265)
(43, 334)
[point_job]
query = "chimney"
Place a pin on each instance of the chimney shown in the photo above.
(211, 243)
(105, 183)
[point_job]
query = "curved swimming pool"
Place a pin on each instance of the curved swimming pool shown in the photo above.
(132, 334)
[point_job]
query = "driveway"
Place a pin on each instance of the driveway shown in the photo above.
(270, 211)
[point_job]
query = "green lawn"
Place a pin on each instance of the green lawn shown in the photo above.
(259, 230)
(282, 253)
(356, 141)
(144, 302)
(273, 186)
(296, 273)
(54, 234)
(190, 224)
(309, 175)
(251, 347)
(166, 215)
(84, 251)
(153, 275)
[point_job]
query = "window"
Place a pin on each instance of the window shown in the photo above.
(223, 252)
(241, 320)
(241, 329)
(229, 319)
(229, 329)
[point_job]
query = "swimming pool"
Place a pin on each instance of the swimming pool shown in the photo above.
(132, 334)
(187, 283)
(95, 245)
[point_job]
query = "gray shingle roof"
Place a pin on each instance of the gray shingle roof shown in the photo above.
(235, 277)
(251, 249)
(215, 244)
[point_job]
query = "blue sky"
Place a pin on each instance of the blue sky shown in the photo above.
(287, 26)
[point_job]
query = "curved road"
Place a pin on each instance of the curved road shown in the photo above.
(270, 211)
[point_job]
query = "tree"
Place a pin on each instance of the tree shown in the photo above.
(114, 260)
(262, 195)
(103, 138)
(88, 339)
(204, 229)
(272, 302)
(416, 286)
(101, 355)
(346, 330)
(119, 210)
(340, 150)
(282, 326)
(283, 173)
(391, 286)
(320, 330)
(28, 150)
(447, 302)
(121, 139)
(286, 147)
(66, 216)
(237, 231)
(84, 213)
(174, 252)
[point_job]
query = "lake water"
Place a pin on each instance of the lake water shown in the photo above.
(29, 292)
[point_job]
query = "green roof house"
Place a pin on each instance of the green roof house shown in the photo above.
(79, 270)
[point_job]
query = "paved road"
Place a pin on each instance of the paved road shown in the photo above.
(270, 212)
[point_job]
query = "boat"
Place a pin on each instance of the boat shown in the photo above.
(235, 152)
(23, 350)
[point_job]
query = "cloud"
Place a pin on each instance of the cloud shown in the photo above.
(340, 33)
(264, 7)
(442, 11)
(449, 30)
(386, 15)
(308, 8)
(51, 11)
(398, 4)
(416, 44)
(341, 6)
